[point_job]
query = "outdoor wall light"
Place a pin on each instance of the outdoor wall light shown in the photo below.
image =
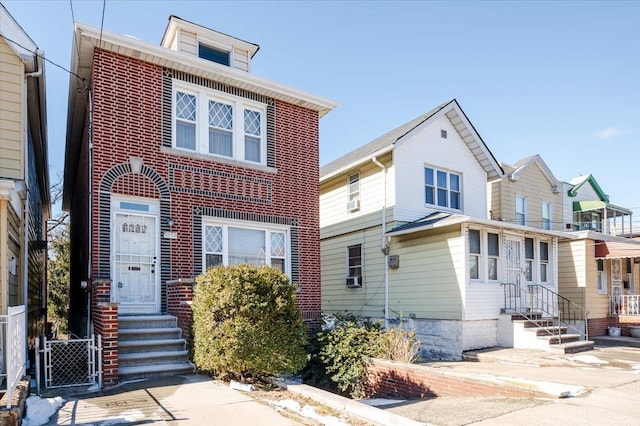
(170, 222)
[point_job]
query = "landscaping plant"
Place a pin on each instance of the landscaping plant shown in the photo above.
(246, 323)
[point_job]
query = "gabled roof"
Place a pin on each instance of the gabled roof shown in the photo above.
(386, 142)
(524, 163)
(578, 181)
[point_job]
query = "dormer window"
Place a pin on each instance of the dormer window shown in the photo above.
(214, 55)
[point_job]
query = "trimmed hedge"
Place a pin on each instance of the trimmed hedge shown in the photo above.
(246, 323)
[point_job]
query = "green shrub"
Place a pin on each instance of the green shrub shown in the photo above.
(246, 323)
(345, 352)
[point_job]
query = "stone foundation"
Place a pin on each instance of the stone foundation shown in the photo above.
(13, 416)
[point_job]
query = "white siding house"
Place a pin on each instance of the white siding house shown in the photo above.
(417, 248)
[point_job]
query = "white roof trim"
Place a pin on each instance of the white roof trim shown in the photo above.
(459, 219)
(163, 56)
(10, 28)
(362, 160)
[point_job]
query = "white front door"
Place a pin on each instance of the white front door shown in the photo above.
(514, 273)
(135, 264)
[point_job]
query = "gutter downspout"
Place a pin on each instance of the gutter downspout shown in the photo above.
(384, 247)
(90, 219)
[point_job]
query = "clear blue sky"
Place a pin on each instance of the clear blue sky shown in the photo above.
(561, 79)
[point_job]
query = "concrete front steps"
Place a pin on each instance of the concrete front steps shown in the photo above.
(151, 346)
(535, 332)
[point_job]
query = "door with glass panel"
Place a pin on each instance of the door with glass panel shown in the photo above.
(514, 273)
(135, 263)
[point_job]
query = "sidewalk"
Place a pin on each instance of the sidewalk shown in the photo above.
(184, 400)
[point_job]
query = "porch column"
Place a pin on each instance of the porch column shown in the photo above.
(605, 222)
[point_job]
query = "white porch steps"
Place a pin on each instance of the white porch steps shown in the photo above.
(151, 346)
(539, 333)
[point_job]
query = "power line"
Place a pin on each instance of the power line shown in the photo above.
(73, 21)
(104, 5)
(43, 57)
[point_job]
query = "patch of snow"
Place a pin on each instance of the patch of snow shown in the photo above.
(128, 416)
(308, 411)
(588, 359)
(380, 402)
(93, 388)
(39, 410)
(246, 387)
(635, 367)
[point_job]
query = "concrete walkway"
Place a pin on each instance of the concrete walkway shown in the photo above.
(183, 400)
(609, 376)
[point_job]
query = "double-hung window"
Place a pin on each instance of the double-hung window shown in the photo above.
(442, 188)
(220, 125)
(521, 211)
(546, 216)
(232, 244)
(353, 189)
(529, 257)
(493, 255)
(474, 254)
(354, 266)
(602, 276)
(544, 262)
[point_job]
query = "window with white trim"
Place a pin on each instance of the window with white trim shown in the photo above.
(544, 262)
(442, 188)
(493, 256)
(354, 261)
(529, 258)
(484, 255)
(353, 189)
(475, 253)
(220, 125)
(602, 276)
(232, 244)
(546, 216)
(521, 211)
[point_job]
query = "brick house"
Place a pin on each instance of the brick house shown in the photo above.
(179, 159)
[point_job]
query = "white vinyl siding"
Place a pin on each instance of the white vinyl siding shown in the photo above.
(425, 146)
(334, 195)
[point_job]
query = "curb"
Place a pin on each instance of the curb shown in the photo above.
(340, 403)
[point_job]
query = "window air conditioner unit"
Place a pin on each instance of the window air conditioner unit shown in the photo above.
(354, 282)
(353, 205)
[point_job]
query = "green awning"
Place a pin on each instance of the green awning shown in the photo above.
(585, 206)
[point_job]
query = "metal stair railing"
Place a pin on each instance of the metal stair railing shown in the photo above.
(537, 303)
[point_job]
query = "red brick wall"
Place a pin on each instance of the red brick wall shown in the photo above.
(598, 326)
(179, 296)
(398, 380)
(105, 323)
(128, 122)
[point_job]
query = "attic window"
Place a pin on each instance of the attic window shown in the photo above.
(443, 134)
(214, 55)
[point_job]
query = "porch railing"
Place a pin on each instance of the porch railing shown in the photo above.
(539, 305)
(13, 357)
(627, 304)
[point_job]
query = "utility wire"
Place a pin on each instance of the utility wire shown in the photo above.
(104, 5)
(43, 57)
(73, 22)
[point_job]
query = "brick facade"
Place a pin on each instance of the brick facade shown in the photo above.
(389, 379)
(129, 121)
(105, 323)
(179, 296)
